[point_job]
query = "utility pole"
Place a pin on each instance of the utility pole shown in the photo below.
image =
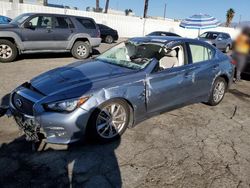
(145, 9)
(165, 8)
(106, 6)
(239, 21)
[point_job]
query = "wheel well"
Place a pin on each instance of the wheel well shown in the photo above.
(131, 109)
(9, 39)
(82, 39)
(226, 78)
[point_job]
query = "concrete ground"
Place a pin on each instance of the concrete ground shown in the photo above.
(195, 146)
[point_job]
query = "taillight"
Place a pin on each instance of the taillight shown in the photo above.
(98, 33)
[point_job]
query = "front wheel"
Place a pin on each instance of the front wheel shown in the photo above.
(109, 121)
(8, 51)
(81, 50)
(218, 92)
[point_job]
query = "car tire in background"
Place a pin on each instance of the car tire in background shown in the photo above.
(218, 91)
(81, 50)
(227, 49)
(109, 39)
(109, 121)
(8, 51)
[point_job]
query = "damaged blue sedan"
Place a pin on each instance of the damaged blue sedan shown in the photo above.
(127, 84)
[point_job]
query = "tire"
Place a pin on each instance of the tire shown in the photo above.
(8, 51)
(81, 50)
(227, 49)
(100, 124)
(109, 39)
(217, 93)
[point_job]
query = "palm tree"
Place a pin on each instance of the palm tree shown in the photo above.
(97, 9)
(230, 16)
(145, 8)
(128, 11)
(106, 6)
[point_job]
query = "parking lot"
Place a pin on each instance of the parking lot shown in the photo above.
(196, 146)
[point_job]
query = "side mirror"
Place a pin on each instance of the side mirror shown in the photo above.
(28, 25)
(219, 39)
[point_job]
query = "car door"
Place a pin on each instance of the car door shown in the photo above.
(63, 29)
(38, 36)
(168, 88)
(205, 67)
(221, 42)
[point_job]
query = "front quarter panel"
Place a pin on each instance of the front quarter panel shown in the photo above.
(132, 91)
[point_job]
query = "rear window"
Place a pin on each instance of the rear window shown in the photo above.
(200, 53)
(88, 24)
(63, 23)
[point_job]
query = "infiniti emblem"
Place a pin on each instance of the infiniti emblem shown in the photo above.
(19, 103)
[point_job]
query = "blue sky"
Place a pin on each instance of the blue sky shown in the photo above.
(175, 9)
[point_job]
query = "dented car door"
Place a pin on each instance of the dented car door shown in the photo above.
(168, 88)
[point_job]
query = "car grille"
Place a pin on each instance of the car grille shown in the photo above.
(22, 104)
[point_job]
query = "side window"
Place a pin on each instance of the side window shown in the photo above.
(200, 53)
(45, 22)
(225, 36)
(34, 21)
(88, 24)
(63, 23)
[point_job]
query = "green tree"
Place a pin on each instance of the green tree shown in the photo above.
(127, 11)
(230, 16)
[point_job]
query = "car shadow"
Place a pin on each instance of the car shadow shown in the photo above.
(245, 77)
(80, 165)
(4, 104)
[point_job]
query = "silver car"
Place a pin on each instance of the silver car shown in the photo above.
(220, 40)
(127, 84)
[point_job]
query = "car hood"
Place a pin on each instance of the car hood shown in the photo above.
(80, 77)
(7, 26)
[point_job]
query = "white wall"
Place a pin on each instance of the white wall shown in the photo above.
(127, 26)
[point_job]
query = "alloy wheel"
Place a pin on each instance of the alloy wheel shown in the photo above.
(5, 51)
(219, 91)
(111, 120)
(81, 50)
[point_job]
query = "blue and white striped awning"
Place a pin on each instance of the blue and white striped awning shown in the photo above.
(200, 21)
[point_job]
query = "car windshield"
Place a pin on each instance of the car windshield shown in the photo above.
(19, 19)
(130, 55)
(209, 35)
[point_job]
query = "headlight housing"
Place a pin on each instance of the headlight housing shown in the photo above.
(67, 105)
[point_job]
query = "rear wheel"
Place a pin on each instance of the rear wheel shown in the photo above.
(109, 121)
(227, 49)
(8, 51)
(81, 50)
(218, 91)
(109, 39)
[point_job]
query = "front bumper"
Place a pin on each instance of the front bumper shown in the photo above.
(58, 128)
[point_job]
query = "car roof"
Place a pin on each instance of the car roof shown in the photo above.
(163, 39)
(53, 14)
(217, 32)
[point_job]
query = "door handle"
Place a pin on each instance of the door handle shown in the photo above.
(49, 30)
